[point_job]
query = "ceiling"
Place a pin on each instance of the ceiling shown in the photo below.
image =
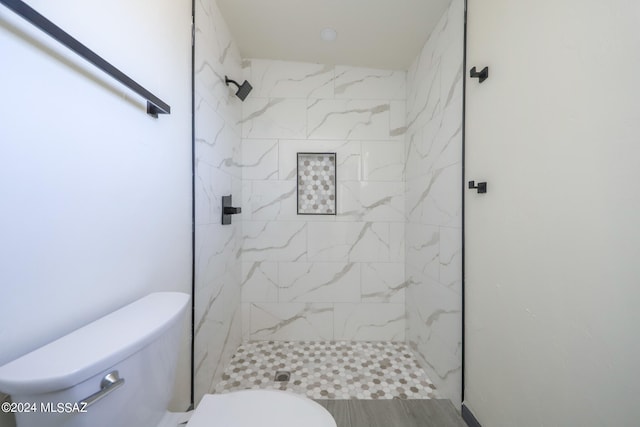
(384, 34)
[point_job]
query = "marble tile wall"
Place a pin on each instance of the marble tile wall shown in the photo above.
(218, 331)
(308, 277)
(433, 204)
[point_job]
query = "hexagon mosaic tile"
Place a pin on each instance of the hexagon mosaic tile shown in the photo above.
(317, 183)
(329, 370)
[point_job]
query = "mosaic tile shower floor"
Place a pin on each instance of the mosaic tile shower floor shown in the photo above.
(329, 370)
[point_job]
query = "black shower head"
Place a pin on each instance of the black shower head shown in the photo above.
(243, 89)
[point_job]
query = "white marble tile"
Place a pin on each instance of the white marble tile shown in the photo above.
(217, 168)
(274, 118)
(412, 165)
(215, 55)
(433, 203)
(451, 53)
(216, 342)
(438, 311)
(273, 241)
(452, 75)
(421, 71)
(410, 102)
(247, 195)
(273, 200)
(246, 70)
(426, 102)
(396, 241)
(213, 91)
(397, 120)
(317, 296)
(347, 157)
(419, 157)
(443, 368)
(371, 201)
(353, 241)
(221, 101)
(217, 308)
(348, 119)
(215, 266)
(382, 160)
(412, 75)
(451, 258)
(423, 249)
(448, 140)
(328, 241)
(439, 202)
(291, 321)
(369, 322)
(383, 282)
(286, 79)
(259, 159)
(438, 144)
(217, 301)
(319, 282)
(210, 185)
(214, 36)
(372, 242)
(369, 83)
(237, 197)
(216, 142)
(453, 90)
(259, 281)
(246, 321)
(217, 172)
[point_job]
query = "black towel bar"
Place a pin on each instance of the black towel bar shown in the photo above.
(155, 106)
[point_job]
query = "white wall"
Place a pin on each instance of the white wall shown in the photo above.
(311, 277)
(218, 173)
(552, 274)
(96, 205)
(434, 204)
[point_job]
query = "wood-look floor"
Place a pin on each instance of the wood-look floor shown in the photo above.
(393, 413)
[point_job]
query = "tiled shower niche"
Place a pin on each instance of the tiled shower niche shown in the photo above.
(316, 183)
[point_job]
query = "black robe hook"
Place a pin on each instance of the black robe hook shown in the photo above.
(482, 75)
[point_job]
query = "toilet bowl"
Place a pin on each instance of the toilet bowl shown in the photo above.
(119, 371)
(259, 408)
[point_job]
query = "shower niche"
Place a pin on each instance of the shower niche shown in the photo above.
(316, 175)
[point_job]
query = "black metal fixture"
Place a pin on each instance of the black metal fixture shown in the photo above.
(481, 76)
(481, 187)
(155, 106)
(243, 89)
(228, 210)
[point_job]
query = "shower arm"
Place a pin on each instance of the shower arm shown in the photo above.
(227, 80)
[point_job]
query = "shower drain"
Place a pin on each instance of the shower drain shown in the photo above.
(283, 376)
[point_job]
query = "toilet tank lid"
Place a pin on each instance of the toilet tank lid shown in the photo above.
(93, 348)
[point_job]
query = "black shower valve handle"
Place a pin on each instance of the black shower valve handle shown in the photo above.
(229, 210)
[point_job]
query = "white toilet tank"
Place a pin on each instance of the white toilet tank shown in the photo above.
(52, 386)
